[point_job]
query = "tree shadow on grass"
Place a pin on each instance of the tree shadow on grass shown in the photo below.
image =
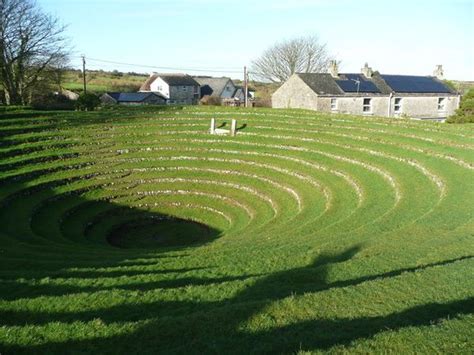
(222, 326)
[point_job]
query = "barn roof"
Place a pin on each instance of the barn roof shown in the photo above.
(132, 96)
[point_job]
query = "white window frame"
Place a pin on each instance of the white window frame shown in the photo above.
(333, 104)
(369, 105)
(397, 107)
(441, 104)
(184, 88)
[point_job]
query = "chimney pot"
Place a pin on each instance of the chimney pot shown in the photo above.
(367, 71)
(333, 69)
(439, 72)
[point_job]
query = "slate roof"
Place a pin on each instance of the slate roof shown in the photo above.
(212, 86)
(321, 83)
(325, 84)
(170, 79)
(132, 96)
(240, 93)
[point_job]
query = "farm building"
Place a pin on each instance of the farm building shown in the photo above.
(133, 98)
(176, 88)
(222, 88)
(369, 93)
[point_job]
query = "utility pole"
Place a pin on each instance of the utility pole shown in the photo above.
(84, 72)
(246, 87)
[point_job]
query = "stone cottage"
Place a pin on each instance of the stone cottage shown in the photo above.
(369, 93)
(179, 89)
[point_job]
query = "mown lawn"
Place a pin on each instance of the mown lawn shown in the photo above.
(136, 231)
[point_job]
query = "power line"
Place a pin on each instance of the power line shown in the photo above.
(201, 69)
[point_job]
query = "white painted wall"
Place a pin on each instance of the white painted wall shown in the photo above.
(426, 107)
(354, 105)
(159, 85)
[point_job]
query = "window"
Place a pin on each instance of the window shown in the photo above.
(333, 104)
(367, 105)
(159, 88)
(398, 105)
(441, 104)
(185, 88)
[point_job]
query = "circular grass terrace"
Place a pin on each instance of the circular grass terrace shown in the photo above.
(136, 231)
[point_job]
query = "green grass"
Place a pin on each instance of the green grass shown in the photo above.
(135, 231)
(100, 82)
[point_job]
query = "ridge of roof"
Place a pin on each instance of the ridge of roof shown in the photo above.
(172, 79)
(325, 83)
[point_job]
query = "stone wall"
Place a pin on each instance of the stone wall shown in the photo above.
(184, 95)
(294, 93)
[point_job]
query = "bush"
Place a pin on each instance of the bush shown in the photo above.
(52, 101)
(211, 101)
(465, 112)
(87, 102)
(263, 103)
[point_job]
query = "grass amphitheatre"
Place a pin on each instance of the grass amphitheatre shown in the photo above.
(136, 231)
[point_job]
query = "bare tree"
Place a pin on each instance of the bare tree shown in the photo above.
(298, 55)
(31, 46)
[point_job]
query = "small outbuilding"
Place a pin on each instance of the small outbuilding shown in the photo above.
(132, 98)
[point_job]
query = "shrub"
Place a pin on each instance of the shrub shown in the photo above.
(465, 112)
(87, 102)
(263, 103)
(211, 101)
(52, 101)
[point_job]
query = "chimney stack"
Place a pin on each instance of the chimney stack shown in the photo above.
(333, 69)
(367, 71)
(438, 72)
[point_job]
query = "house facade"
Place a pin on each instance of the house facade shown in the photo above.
(132, 98)
(177, 89)
(369, 93)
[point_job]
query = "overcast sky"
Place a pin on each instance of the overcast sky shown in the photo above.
(394, 37)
